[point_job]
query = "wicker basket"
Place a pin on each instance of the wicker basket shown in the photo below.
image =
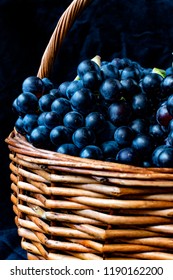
(69, 208)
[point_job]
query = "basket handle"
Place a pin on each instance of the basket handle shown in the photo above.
(64, 24)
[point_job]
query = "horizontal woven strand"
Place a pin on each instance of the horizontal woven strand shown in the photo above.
(162, 213)
(147, 183)
(123, 220)
(111, 173)
(61, 257)
(162, 242)
(85, 256)
(156, 197)
(129, 233)
(98, 247)
(153, 256)
(119, 203)
(70, 218)
(108, 248)
(119, 191)
(167, 228)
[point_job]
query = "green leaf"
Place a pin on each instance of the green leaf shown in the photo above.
(161, 72)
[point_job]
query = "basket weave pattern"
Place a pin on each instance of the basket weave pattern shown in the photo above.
(80, 209)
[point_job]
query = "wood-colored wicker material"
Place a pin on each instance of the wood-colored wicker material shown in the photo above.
(69, 208)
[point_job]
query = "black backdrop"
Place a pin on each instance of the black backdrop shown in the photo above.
(140, 30)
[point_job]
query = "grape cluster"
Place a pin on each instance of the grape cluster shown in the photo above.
(116, 111)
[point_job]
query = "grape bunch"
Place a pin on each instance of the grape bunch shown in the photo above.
(116, 111)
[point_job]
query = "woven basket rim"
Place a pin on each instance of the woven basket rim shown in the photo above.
(19, 144)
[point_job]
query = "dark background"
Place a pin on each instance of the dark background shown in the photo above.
(140, 30)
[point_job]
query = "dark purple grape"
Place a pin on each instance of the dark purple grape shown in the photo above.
(139, 126)
(41, 118)
(52, 119)
(83, 101)
(140, 104)
(73, 120)
(69, 149)
(47, 84)
(92, 152)
(119, 113)
(92, 80)
(45, 102)
(73, 87)
(170, 126)
(169, 105)
(39, 137)
(121, 63)
(60, 135)
(108, 70)
(151, 84)
(143, 144)
(123, 136)
(16, 108)
(163, 117)
(62, 89)
(156, 131)
(87, 65)
(170, 138)
(111, 89)
(34, 85)
(83, 136)
(130, 72)
(127, 155)
(155, 154)
(95, 121)
(61, 106)
(19, 125)
(109, 149)
(169, 71)
(27, 103)
(130, 88)
(165, 158)
(167, 85)
(30, 122)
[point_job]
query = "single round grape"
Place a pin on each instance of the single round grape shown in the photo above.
(127, 155)
(69, 149)
(34, 85)
(61, 106)
(165, 158)
(83, 136)
(39, 137)
(95, 121)
(163, 117)
(30, 122)
(83, 101)
(143, 144)
(60, 135)
(87, 65)
(123, 136)
(73, 120)
(92, 152)
(111, 89)
(119, 113)
(45, 102)
(110, 149)
(151, 84)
